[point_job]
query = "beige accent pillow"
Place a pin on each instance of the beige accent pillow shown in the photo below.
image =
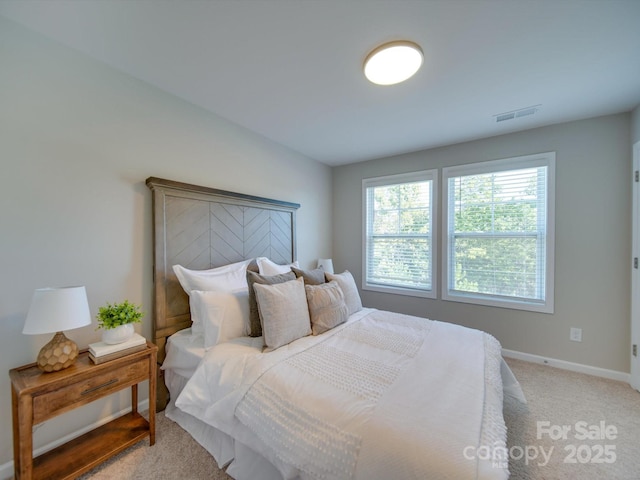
(255, 328)
(326, 306)
(283, 312)
(348, 286)
(311, 277)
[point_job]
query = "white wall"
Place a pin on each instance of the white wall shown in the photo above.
(77, 141)
(593, 240)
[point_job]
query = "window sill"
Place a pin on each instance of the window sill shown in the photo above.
(492, 302)
(410, 292)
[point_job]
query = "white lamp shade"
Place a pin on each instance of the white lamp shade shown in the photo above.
(326, 264)
(57, 309)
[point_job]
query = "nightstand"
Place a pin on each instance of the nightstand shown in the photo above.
(38, 396)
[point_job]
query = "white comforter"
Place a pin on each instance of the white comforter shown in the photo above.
(383, 396)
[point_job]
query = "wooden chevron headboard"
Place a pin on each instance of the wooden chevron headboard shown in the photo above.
(201, 228)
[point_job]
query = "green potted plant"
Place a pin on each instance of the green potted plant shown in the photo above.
(117, 321)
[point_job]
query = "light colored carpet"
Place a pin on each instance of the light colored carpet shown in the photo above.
(174, 456)
(561, 398)
(555, 396)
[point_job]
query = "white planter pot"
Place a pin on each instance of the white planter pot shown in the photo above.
(119, 334)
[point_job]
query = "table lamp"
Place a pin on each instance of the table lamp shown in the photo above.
(53, 310)
(326, 264)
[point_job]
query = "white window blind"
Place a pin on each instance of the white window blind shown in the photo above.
(499, 239)
(399, 236)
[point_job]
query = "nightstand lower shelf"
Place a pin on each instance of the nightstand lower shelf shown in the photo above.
(89, 450)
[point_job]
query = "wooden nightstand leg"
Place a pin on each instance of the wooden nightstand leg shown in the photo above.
(134, 398)
(22, 436)
(16, 431)
(152, 400)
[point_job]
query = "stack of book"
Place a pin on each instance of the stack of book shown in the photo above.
(103, 352)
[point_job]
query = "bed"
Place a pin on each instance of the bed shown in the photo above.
(370, 394)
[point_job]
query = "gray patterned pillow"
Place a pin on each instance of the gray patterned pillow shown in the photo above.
(255, 329)
(326, 306)
(283, 312)
(311, 277)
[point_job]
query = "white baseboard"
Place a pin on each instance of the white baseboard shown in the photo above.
(6, 469)
(574, 367)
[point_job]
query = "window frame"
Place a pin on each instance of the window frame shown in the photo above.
(411, 177)
(515, 163)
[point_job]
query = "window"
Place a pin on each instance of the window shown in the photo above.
(399, 233)
(499, 233)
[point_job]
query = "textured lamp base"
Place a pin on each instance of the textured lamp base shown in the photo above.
(58, 354)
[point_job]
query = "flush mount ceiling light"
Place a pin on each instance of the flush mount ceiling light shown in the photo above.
(393, 62)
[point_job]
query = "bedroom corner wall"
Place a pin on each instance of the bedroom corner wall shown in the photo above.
(593, 240)
(635, 125)
(77, 141)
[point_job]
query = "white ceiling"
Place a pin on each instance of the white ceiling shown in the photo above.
(291, 70)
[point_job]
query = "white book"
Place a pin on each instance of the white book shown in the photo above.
(100, 348)
(118, 354)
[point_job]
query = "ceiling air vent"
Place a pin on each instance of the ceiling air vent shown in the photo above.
(505, 116)
(523, 112)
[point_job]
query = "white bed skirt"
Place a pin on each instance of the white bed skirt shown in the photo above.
(217, 443)
(242, 462)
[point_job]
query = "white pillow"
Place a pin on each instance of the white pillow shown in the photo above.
(228, 278)
(221, 316)
(267, 267)
(348, 286)
(283, 312)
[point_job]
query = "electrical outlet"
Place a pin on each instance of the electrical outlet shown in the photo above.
(575, 335)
